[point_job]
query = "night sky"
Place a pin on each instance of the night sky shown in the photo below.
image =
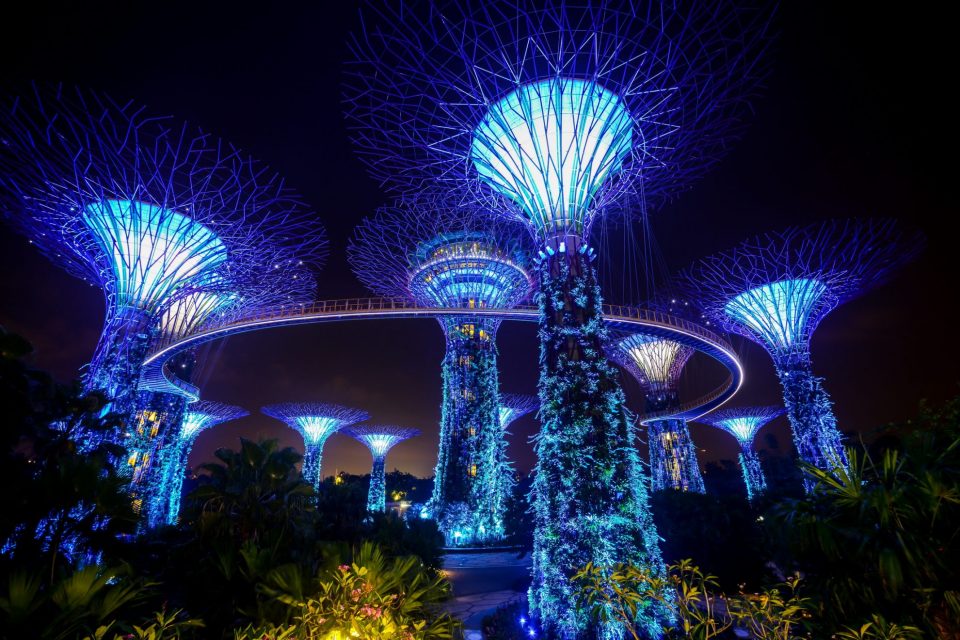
(855, 121)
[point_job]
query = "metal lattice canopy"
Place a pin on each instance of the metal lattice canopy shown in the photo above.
(551, 111)
(313, 420)
(514, 406)
(776, 288)
(441, 256)
(204, 415)
(742, 423)
(655, 362)
(380, 438)
(147, 209)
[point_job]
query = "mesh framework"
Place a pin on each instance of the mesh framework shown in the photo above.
(657, 364)
(743, 423)
(551, 110)
(514, 406)
(316, 422)
(775, 289)
(379, 439)
(428, 252)
(162, 503)
(144, 208)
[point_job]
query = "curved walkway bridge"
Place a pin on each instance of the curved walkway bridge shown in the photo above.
(157, 376)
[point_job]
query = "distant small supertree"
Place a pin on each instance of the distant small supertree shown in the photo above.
(145, 209)
(656, 364)
(743, 423)
(172, 459)
(548, 112)
(437, 256)
(379, 439)
(514, 406)
(776, 289)
(315, 422)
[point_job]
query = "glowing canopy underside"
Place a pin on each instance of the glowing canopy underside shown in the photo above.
(380, 439)
(743, 423)
(659, 361)
(151, 250)
(506, 415)
(467, 272)
(186, 314)
(779, 312)
(204, 415)
(743, 429)
(316, 429)
(549, 146)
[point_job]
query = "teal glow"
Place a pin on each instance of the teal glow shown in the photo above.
(506, 416)
(195, 422)
(316, 429)
(778, 312)
(151, 250)
(549, 146)
(744, 428)
(380, 443)
(467, 270)
(186, 314)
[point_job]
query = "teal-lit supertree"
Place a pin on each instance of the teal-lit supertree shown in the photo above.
(316, 422)
(656, 364)
(775, 289)
(438, 256)
(172, 459)
(548, 112)
(148, 210)
(379, 439)
(743, 423)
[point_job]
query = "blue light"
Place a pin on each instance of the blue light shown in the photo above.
(743, 424)
(316, 429)
(380, 439)
(778, 312)
(659, 361)
(151, 250)
(185, 314)
(743, 428)
(549, 146)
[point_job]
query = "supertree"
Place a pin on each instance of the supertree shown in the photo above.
(379, 439)
(172, 459)
(549, 112)
(159, 414)
(429, 253)
(775, 289)
(145, 209)
(656, 363)
(514, 406)
(743, 423)
(315, 422)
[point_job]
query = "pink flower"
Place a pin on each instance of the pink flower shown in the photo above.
(344, 567)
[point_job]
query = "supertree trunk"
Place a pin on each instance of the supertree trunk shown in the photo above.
(589, 498)
(115, 371)
(814, 426)
(673, 457)
(752, 472)
(312, 457)
(471, 458)
(377, 494)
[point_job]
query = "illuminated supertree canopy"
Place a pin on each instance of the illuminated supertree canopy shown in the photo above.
(379, 439)
(315, 422)
(775, 289)
(147, 210)
(514, 406)
(548, 112)
(438, 256)
(656, 363)
(172, 459)
(743, 423)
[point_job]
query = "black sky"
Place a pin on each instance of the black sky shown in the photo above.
(858, 119)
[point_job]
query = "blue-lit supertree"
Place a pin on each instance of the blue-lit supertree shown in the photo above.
(548, 112)
(438, 257)
(379, 439)
(743, 423)
(315, 422)
(147, 210)
(656, 364)
(775, 289)
(172, 459)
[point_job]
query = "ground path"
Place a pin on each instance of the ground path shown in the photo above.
(482, 582)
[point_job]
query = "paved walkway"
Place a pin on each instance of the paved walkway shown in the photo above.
(482, 582)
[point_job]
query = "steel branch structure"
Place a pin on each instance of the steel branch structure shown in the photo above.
(547, 113)
(315, 422)
(514, 406)
(743, 423)
(172, 459)
(379, 439)
(147, 210)
(775, 289)
(437, 256)
(656, 363)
